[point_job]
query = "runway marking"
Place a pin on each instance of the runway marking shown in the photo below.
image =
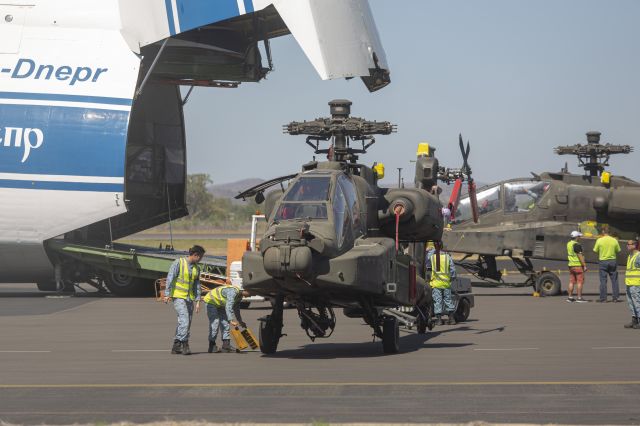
(140, 350)
(25, 352)
(317, 384)
(616, 347)
(509, 349)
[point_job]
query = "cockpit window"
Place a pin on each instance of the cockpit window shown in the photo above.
(309, 189)
(523, 196)
(288, 211)
(488, 201)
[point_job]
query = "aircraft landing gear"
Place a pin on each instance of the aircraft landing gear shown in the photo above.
(271, 327)
(390, 334)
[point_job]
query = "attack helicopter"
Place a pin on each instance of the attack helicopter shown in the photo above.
(335, 238)
(532, 218)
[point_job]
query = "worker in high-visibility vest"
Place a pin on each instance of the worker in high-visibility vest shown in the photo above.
(440, 283)
(223, 310)
(577, 266)
(632, 280)
(183, 288)
(607, 248)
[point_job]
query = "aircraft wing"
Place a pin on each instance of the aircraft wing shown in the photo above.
(338, 36)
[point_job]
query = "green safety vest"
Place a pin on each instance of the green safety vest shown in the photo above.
(184, 287)
(572, 256)
(440, 278)
(216, 298)
(632, 275)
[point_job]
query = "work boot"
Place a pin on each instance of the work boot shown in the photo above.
(185, 348)
(213, 348)
(439, 320)
(226, 346)
(177, 347)
(452, 320)
(633, 323)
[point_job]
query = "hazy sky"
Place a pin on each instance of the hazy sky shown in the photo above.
(515, 77)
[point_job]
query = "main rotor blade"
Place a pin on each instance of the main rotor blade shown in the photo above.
(474, 200)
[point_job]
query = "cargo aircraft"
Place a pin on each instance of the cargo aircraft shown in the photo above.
(92, 133)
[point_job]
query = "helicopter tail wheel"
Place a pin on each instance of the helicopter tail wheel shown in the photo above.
(548, 284)
(270, 334)
(390, 335)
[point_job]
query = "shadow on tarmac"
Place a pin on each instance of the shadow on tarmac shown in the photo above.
(408, 343)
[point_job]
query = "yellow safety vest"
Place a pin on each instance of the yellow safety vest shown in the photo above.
(632, 275)
(184, 287)
(440, 278)
(217, 299)
(572, 256)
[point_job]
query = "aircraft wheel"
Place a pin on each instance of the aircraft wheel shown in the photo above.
(127, 286)
(464, 308)
(549, 284)
(390, 335)
(269, 336)
(47, 285)
(421, 325)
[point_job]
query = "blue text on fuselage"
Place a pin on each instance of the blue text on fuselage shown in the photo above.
(28, 68)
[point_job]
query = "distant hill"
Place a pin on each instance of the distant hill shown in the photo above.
(230, 190)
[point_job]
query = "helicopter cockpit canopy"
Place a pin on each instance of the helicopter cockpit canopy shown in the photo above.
(523, 196)
(306, 198)
(488, 200)
(519, 197)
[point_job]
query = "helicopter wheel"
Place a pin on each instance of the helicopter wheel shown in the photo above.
(390, 335)
(269, 336)
(548, 284)
(462, 313)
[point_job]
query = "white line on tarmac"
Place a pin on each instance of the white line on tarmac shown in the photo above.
(24, 352)
(509, 349)
(140, 350)
(616, 347)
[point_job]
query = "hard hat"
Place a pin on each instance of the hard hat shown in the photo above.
(575, 234)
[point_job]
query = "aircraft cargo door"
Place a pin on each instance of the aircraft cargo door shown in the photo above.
(155, 170)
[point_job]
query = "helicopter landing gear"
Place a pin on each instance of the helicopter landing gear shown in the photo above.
(390, 334)
(424, 318)
(271, 327)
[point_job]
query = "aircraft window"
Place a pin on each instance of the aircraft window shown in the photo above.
(523, 196)
(341, 215)
(488, 201)
(309, 189)
(288, 211)
(351, 197)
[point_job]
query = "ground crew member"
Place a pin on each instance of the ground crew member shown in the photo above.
(632, 280)
(440, 283)
(577, 266)
(223, 309)
(607, 248)
(183, 287)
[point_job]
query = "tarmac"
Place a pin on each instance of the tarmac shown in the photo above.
(518, 359)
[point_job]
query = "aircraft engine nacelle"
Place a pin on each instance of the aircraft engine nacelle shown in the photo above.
(420, 215)
(623, 204)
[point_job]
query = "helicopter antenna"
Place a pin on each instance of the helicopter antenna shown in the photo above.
(593, 157)
(341, 130)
